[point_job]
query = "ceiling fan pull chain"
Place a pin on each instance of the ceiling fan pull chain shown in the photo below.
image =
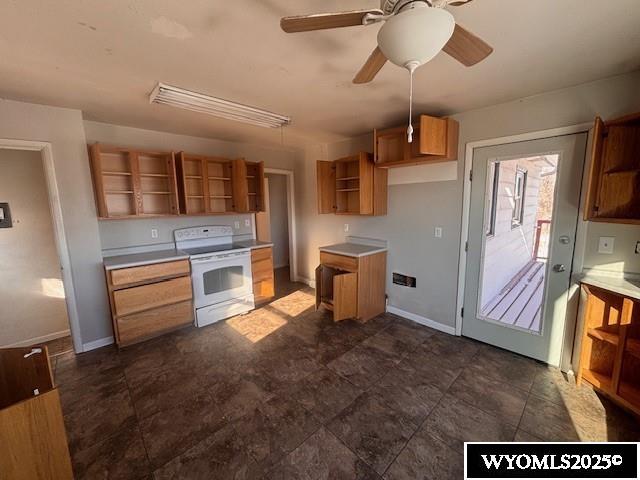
(411, 67)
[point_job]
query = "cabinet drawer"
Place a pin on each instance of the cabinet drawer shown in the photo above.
(263, 290)
(261, 254)
(137, 299)
(262, 270)
(124, 276)
(153, 322)
(340, 262)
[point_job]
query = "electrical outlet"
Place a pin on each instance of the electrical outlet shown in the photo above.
(236, 225)
(154, 233)
(346, 227)
(605, 245)
(438, 232)
(247, 222)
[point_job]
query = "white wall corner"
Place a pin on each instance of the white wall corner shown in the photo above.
(421, 320)
(101, 342)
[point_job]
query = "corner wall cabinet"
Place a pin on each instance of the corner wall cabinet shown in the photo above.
(434, 140)
(352, 186)
(351, 287)
(149, 300)
(610, 351)
(32, 433)
(614, 177)
(248, 186)
(133, 183)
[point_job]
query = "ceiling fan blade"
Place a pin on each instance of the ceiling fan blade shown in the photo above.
(321, 21)
(371, 67)
(465, 47)
(459, 3)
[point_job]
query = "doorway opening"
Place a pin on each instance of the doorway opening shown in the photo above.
(30, 259)
(277, 225)
(519, 202)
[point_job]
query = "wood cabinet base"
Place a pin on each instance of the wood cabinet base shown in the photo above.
(351, 287)
(149, 300)
(262, 273)
(610, 349)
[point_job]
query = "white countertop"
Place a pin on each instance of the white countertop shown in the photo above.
(144, 258)
(629, 287)
(159, 256)
(352, 249)
(252, 244)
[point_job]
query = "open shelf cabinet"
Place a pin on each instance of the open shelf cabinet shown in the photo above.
(352, 186)
(133, 183)
(205, 185)
(248, 186)
(614, 177)
(610, 350)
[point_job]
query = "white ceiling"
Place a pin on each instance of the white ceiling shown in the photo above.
(104, 57)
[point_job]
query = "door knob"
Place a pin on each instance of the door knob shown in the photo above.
(565, 239)
(559, 267)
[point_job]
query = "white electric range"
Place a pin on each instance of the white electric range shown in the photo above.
(220, 272)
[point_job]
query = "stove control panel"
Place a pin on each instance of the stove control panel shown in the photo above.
(207, 231)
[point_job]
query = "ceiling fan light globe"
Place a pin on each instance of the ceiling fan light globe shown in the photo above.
(416, 35)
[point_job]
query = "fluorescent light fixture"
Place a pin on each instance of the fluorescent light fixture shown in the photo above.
(198, 102)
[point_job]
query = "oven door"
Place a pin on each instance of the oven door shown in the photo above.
(222, 277)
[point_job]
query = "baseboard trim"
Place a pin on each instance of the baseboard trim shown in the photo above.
(306, 281)
(101, 342)
(41, 339)
(427, 322)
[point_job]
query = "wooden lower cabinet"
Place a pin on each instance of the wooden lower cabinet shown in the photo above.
(610, 348)
(352, 287)
(32, 433)
(262, 274)
(149, 300)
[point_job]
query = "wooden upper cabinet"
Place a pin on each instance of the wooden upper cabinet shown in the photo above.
(248, 186)
(204, 184)
(614, 176)
(352, 186)
(133, 183)
(434, 140)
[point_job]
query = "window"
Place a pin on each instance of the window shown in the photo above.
(492, 207)
(519, 193)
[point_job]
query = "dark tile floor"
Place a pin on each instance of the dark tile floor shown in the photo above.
(286, 393)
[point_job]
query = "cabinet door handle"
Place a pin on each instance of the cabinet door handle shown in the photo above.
(32, 352)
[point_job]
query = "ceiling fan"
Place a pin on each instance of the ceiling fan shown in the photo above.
(414, 31)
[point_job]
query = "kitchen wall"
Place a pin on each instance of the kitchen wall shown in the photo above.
(118, 234)
(64, 129)
(279, 219)
(36, 295)
(416, 209)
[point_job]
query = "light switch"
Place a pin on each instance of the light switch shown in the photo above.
(154, 233)
(346, 227)
(236, 225)
(438, 232)
(605, 245)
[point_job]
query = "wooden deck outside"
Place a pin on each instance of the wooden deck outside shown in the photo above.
(520, 301)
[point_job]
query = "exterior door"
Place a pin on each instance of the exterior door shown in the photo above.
(522, 224)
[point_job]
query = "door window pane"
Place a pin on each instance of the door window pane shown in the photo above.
(222, 279)
(519, 204)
